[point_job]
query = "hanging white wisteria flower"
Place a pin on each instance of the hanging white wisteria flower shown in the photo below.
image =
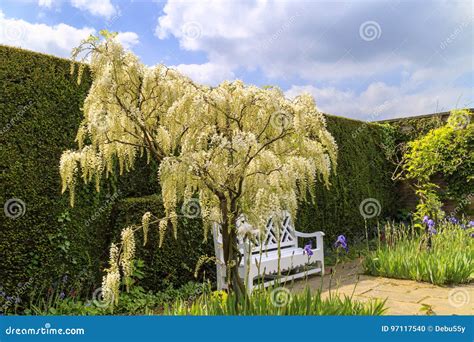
(241, 149)
(128, 251)
(256, 153)
(111, 280)
(245, 229)
(146, 225)
(123, 113)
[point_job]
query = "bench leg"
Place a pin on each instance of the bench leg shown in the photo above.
(250, 283)
(220, 278)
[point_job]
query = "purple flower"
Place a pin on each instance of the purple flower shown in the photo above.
(431, 223)
(2, 294)
(471, 224)
(62, 295)
(341, 242)
(432, 231)
(453, 220)
(425, 219)
(307, 249)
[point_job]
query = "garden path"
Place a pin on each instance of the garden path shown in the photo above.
(404, 297)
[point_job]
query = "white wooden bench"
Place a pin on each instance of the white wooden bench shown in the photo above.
(260, 258)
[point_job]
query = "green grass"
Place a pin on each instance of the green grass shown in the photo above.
(276, 302)
(405, 255)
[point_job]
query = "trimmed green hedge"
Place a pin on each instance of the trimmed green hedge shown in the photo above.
(39, 115)
(363, 172)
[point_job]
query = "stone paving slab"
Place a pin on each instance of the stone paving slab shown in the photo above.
(396, 307)
(403, 297)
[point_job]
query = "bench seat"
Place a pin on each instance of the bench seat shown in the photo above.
(260, 261)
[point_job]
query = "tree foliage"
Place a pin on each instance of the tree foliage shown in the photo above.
(123, 113)
(237, 149)
(448, 151)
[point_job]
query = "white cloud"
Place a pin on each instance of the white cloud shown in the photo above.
(420, 50)
(208, 73)
(45, 3)
(102, 8)
(128, 39)
(380, 101)
(57, 40)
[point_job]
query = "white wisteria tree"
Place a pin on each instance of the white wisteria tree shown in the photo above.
(235, 149)
(256, 154)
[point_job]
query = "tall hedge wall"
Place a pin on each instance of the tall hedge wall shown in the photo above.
(39, 115)
(363, 172)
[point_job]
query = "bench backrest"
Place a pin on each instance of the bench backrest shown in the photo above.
(275, 236)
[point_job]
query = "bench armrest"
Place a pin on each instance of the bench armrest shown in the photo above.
(308, 235)
(317, 235)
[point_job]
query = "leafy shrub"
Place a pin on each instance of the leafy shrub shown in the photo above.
(440, 256)
(446, 151)
(136, 302)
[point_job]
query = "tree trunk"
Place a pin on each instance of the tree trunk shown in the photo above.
(232, 255)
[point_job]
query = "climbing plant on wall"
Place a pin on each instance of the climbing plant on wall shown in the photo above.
(446, 151)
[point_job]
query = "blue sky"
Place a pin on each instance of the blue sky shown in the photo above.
(368, 60)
